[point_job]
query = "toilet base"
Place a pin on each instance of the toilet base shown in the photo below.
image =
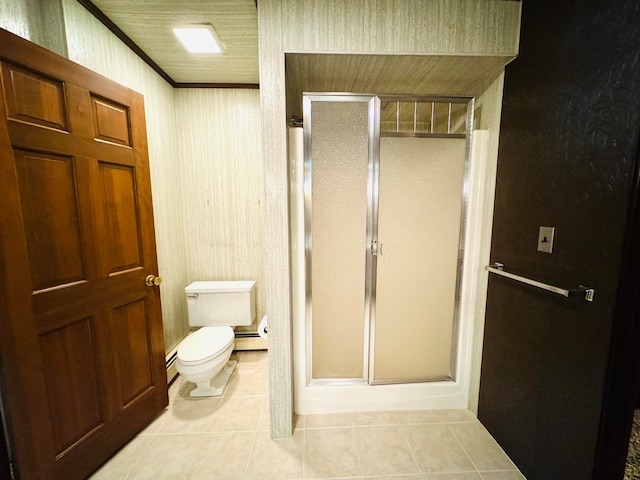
(216, 386)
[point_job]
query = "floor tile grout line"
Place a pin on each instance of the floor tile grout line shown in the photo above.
(195, 455)
(208, 432)
(494, 470)
(151, 438)
(355, 441)
(168, 411)
(204, 434)
(399, 429)
(147, 446)
(246, 465)
(463, 449)
(402, 428)
(413, 454)
(515, 467)
(482, 472)
(138, 458)
(304, 453)
(234, 376)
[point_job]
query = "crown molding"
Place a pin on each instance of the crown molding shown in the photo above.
(124, 38)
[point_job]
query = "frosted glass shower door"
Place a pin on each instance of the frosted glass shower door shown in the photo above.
(420, 209)
(338, 156)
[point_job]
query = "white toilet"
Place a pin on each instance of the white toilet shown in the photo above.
(216, 307)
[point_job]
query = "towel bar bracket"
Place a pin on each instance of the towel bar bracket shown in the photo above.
(588, 293)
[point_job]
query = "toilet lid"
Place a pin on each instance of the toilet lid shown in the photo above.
(204, 344)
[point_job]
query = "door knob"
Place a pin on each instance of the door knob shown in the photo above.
(152, 280)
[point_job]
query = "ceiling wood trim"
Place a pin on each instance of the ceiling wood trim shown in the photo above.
(216, 85)
(96, 12)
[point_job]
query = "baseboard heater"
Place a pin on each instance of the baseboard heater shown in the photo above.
(250, 341)
(244, 341)
(171, 358)
(247, 335)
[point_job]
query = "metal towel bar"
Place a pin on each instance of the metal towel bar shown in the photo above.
(498, 269)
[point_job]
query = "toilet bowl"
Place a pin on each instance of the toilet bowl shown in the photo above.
(215, 307)
(203, 359)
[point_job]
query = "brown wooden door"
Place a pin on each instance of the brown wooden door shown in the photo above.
(81, 340)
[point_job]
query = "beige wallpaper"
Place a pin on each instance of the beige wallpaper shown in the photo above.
(93, 46)
(219, 152)
(433, 27)
(15, 17)
(40, 21)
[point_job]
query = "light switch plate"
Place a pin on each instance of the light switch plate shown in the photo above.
(545, 239)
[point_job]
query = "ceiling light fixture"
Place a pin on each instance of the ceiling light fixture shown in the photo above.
(199, 38)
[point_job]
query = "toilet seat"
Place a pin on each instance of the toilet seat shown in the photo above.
(205, 344)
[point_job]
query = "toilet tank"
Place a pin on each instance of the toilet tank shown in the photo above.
(221, 303)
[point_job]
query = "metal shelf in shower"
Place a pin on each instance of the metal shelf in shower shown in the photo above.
(424, 116)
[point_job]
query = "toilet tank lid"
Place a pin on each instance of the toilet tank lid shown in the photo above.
(220, 286)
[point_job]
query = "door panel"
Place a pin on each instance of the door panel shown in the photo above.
(110, 121)
(132, 363)
(338, 176)
(117, 183)
(82, 346)
(72, 385)
(420, 205)
(49, 200)
(34, 98)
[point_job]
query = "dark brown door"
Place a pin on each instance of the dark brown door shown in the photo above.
(81, 333)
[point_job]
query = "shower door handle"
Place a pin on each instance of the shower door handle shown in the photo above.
(376, 249)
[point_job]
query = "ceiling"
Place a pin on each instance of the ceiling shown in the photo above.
(148, 24)
(145, 25)
(386, 74)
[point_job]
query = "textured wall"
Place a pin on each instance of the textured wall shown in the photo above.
(18, 17)
(276, 233)
(40, 21)
(571, 118)
(93, 46)
(221, 172)
(435, 27)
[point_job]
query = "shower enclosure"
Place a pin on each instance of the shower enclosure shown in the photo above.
(379, 215)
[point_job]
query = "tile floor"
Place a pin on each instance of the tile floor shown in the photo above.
(228, 438)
